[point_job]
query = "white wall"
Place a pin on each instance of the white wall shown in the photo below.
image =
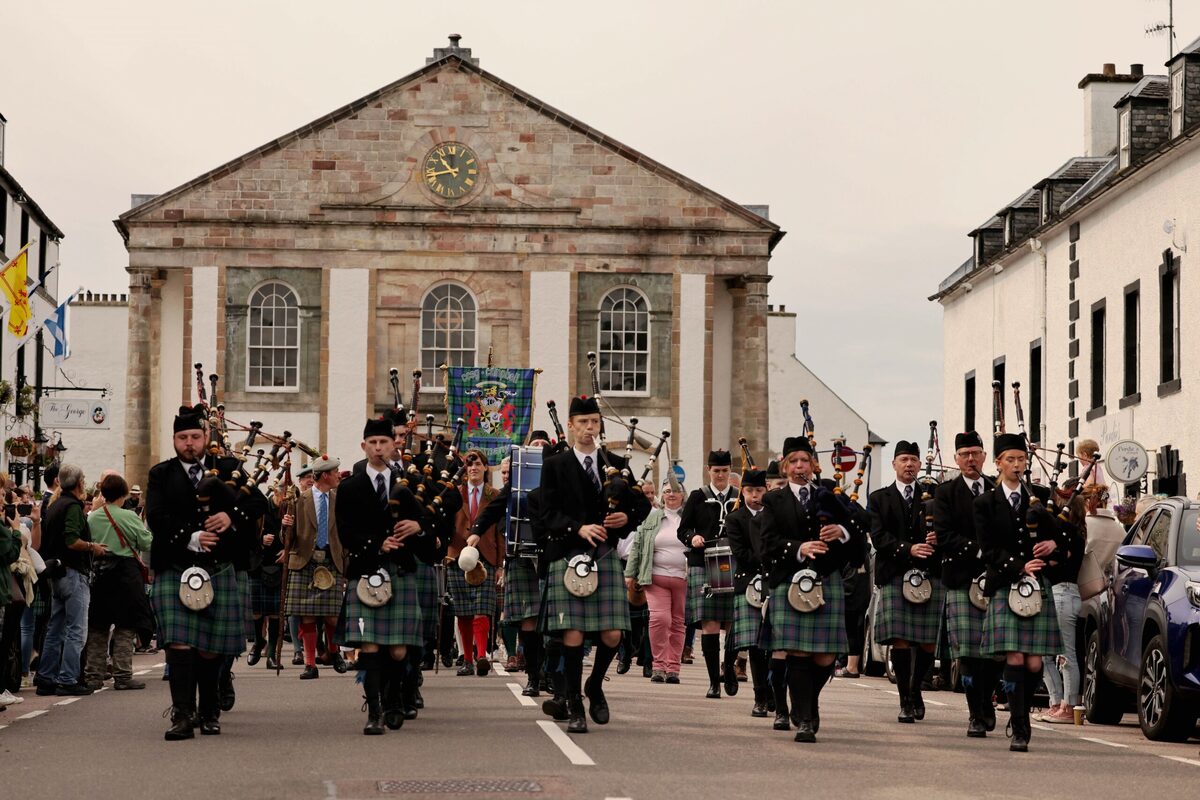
(170, 359)
(348, 320)
(688, 441)
(549, 341)
(724, 423)
(205, 304)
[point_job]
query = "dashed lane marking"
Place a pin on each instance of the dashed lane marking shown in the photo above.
(66, 702)
(863, 685)
(33, 714)
(142, 672)
(1181, 760)
(500, 670)
(1102, 741)
(572, 751)
(515, 688)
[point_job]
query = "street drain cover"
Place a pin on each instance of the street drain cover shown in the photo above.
(456, 786)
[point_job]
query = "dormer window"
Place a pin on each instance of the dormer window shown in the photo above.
(1177, 102)
(1124, 124)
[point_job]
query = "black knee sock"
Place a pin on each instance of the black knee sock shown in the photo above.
(531, 642)
(966, 671)
(799, 681)
(396, 678)
(601, 659)
(730, 653)
(758, 670)
(224, 667)
(922, 661)
(272, 636)
(638, 640)
(902, 667)
(1014, 688)
(779, 684)
(1033, 682)
(372, 665)
(259, 641)
(573, 670)
(554, 667)
(208, 675)
(710, 645)
(820, 677)
(182, 665)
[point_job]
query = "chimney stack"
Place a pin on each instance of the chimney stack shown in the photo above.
(1136, 70)
(1101, 91)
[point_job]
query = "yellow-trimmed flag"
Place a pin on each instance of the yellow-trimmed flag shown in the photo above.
(14, 280)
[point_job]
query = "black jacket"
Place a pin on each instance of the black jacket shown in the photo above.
(363, 522)
(54, 534)
(894, 530)
(746, 545)
(173, 515)
(702, 516)
(1006, 539)
(783, 525)
(569, 500)
(954, 523)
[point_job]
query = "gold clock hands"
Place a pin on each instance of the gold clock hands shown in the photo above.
(449, 168)
(432, 174)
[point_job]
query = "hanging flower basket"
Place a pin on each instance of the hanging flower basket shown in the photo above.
(6, 393)
(24, 406)
(19, 447)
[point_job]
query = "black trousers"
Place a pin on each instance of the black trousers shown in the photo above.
(10, 647)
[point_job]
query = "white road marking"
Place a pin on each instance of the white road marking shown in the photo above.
(1191, 761)
(2, 727)
(929, 702)
(515, 688)
(142, 672)
(500, 670)
(66, 702)
(159, 664)
(33, 714)
(1102, 741)
(572, 751)
(863, 685)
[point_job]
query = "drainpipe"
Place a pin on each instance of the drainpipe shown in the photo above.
(1039, 250)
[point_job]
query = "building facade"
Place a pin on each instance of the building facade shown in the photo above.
(1079, 290)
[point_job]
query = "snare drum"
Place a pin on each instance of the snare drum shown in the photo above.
(525, 475)
(718, 568)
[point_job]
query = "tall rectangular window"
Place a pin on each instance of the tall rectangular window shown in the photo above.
(1125, 151)
(24, 231)
(43, 240)
(1177, 101)
(1035, 391)
(969, 402)
(1168, 320)
(1131, 340)
(1097, 354)
(5, 245)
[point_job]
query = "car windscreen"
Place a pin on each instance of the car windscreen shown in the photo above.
(1189, 539)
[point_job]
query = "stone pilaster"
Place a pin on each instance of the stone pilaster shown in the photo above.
(141, 407)
(750, 394)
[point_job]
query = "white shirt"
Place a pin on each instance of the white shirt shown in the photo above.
(475, 489)
(372, 472)
(795, 487)
(1009, 490)
(595, 457)
(717, 492)
(670, 556)
(971, 484)
(901, 486)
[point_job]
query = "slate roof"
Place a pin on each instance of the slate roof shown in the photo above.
(1079, 168)
(1151, 87)
(1095, 182)
(33, 208)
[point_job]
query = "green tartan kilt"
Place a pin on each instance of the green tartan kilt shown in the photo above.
(964, 625)
(220, 628)
(522, 590)
(427, 598)
(243, 585)
(606, 609)
(398, 622)
(896, 618)
(471, 601)
(305, 600)
(718, 607)
(264, 598)
(747, 625)
(820, 631)
(1005, 632)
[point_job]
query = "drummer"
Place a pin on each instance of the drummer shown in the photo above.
(701, 524)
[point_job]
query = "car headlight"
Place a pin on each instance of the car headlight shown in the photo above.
(1193, 592)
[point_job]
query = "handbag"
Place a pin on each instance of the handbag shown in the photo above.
(375, 590)
(917, 588)
(121, 537)
(1025, 597)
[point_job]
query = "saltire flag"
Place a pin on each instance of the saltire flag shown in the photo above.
(497, 405)
(56, 326)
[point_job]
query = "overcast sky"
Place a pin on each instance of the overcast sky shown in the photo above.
(878, 132)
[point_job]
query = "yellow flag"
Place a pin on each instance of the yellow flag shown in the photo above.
(13, 280)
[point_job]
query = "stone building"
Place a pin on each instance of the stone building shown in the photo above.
(444, 217)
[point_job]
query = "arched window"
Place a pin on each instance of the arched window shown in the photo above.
(624, 342)
(447, 330)
(273, 339)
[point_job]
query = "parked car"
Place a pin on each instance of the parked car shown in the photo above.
(1142, 632)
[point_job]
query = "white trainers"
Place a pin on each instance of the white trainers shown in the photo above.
(10, 699)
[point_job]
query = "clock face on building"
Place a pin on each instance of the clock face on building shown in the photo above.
(451, 170)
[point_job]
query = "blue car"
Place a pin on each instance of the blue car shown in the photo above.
(1143, 631)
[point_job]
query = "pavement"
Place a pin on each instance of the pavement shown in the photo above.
(478, 738)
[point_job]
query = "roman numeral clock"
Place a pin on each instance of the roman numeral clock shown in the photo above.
(451, 170)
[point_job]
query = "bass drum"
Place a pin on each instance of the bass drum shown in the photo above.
(525, 475)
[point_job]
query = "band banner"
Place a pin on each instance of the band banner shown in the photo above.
(497, 404)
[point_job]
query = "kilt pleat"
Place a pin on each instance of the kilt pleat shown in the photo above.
(522, 590)
(606, 609)
(820, 631)
(964, 625)
(898, 619)
(264, 599)
(243, 585)
(747, 625)
(306, 600)
(471, 601)
(220, 628)
(718, 607)
(1005, 632)
(399, 622)
(427, 597)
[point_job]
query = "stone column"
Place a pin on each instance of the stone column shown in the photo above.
(750, 396)
(145, 292)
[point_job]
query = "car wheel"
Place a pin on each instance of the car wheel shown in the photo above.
(888, 671)
(1103, 703)
(871, 666)
(1162, 713)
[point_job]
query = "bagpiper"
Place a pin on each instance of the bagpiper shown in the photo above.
(745, 542)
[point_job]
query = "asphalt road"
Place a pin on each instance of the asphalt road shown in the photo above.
(288, 739)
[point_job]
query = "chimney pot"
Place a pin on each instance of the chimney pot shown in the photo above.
(1109, 70)
(455, 38)
(1136, 70)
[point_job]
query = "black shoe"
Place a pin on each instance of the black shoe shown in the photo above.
(531, 689)
(272, 663)
(210, 727)
(597, 703)
(623, 666)
(482, 666)
(917, 703)
(816, 723)
(647, 671)
(557, 708)
(781, 721)
(465, 669)
(906, 714)
(770, 703)
(975, 729)
(128, 684)
(226, 697)
(339, 663)
(713, 693)
(181, 726)
(1020, 736)
(577, 722)
(988, 716)
(298, 660)
(393, 718)
(447, 660)
(759, 710)
(731, 681)
(51, 689)
(805, 732)
(74, 690)
(374, 726)
(672, 677)
(254, 656)
(418, 700)
(310, 673)
(427, 662)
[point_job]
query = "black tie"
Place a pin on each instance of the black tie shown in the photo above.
(381, 488)
(908, 495)
(975, 488)
(587, 466)
(803, 496)
(195, 471)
